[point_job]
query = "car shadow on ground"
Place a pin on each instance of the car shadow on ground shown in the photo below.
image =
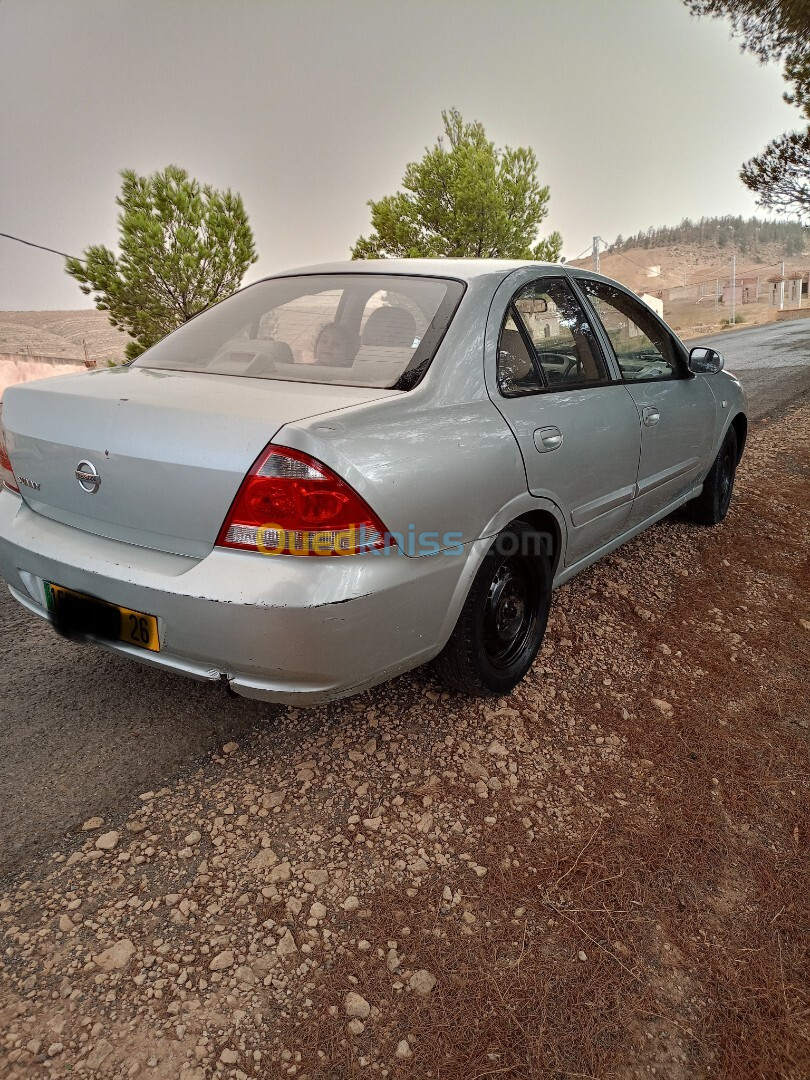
(83, 732)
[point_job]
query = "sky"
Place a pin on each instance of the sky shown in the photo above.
(639, 114)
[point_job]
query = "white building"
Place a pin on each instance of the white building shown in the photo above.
(654, 302)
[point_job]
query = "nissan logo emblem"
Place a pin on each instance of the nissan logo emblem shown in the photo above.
(88, 478)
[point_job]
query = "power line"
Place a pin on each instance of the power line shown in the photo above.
(30, 243)
(754, 270)
(589, 248)
(652, 271)
(585, 252)
(633, 261)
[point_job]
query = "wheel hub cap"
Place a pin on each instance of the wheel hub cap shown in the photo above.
(507, 603)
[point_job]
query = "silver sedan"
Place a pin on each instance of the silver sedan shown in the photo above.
(345, 471)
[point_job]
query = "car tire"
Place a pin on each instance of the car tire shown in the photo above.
(711, 506)
(501, 626)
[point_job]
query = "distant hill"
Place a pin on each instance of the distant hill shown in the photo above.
(745, 236)
(687, 265)
(694, 251)
(61, 333)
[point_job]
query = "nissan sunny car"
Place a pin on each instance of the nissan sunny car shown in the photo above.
(343, 472)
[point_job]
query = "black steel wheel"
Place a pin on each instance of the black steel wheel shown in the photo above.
(711, 506)
(502, 623)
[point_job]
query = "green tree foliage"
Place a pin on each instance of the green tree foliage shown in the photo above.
(775, 30)
(797, 72)
(771, 29)
(183, 247)
(781, 175)
(464, 199)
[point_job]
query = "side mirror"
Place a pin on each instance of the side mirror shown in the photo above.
(705, 361)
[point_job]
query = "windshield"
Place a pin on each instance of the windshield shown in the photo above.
(349, 329)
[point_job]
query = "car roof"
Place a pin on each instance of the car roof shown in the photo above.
(462, 269)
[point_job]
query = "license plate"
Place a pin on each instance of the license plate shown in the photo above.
(77, 615)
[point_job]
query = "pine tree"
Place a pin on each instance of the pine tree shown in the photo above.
(464, 199)
(183, 247)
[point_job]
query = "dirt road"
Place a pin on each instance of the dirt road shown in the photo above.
(772, 362)
(604, 874)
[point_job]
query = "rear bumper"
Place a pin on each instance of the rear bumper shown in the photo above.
(278, 628)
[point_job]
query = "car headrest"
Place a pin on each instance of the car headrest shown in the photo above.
(514, 360)
(390, 326)
(272, 352)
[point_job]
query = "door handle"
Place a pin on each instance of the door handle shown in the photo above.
(650, 415)
(547, 438)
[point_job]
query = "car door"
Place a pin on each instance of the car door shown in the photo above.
(676, 409)
(575, 423)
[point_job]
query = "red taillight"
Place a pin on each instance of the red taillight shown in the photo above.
(7, 477)
(291, 504)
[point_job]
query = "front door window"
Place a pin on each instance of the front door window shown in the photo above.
(643, 348)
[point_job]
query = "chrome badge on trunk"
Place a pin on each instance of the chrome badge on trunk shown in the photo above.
(89, 479)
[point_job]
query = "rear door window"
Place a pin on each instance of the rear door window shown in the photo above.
(517, 371)
(547, 342)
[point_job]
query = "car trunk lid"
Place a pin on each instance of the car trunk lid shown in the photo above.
(159, 455)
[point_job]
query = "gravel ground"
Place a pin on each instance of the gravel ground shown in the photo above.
(604, 874)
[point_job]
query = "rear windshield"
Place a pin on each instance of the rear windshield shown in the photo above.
(349, 329)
